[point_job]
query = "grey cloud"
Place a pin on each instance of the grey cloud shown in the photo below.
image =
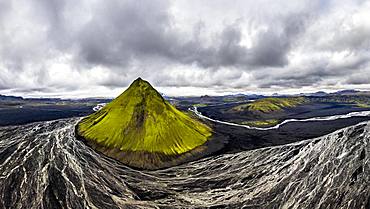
(291, 82)
(272, 47)
(119, 33)
(361, 78)
(34, 90)
(3, 86)
(209, 77)
(346, 71)
(357, 38)
(123, 30)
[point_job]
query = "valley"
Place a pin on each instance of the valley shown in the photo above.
(324, 148)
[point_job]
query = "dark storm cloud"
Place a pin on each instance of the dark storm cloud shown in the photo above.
(273, 47)
(317, 72)
(358, 79)
(270, 49)
(67, 45)
(121, 32)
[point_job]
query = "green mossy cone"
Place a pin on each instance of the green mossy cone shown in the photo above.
(143, 130)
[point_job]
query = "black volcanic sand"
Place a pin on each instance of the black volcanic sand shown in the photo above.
(223, 113)
(241, 139)
(29, 114)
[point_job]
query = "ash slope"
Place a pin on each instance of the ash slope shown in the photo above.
(44, 166)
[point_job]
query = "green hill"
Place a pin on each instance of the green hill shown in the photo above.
(143, 130)
(267, 105)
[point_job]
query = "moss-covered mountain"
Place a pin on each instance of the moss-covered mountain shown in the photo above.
(143, 130)
(272, 104)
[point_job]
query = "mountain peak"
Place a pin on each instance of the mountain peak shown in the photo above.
(140, 90)
(143, 130)
(139, 80)
(141, 84)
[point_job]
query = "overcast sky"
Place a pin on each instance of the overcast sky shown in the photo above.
(93, 48)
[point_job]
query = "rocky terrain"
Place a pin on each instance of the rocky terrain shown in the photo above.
(44, 166)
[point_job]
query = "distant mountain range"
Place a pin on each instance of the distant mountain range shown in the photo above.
(10, 98)
(347, 92)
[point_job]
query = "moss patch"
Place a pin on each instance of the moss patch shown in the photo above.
(200, 105)
(267, 105)
(261, 123)
(362, 105)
